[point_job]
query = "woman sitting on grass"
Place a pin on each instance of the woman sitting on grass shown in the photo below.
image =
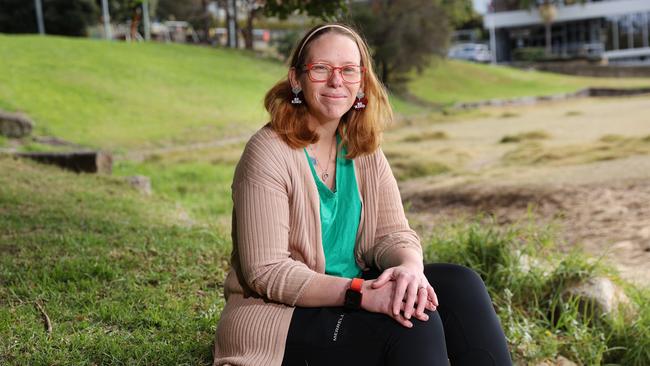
(317, 215)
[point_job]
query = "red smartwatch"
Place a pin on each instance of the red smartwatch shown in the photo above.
(354, 295)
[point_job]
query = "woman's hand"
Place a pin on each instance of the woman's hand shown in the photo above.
(412, 292)
(379, 300)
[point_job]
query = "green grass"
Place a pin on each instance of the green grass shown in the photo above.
(450, 81)
(125, 282)
(121, 281)
(130, 279)
(540, 323)
(132, 94)
(200, 188)
(125, 95)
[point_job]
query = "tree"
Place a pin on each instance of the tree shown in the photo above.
(253, 9)
(403, 35)
(324, 9)
(64, 17)
(459, 12)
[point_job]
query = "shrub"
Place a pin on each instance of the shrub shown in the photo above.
(526, 285)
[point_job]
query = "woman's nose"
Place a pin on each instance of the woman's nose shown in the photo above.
(335, 79)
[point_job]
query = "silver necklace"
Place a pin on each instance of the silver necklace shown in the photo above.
(325, 174)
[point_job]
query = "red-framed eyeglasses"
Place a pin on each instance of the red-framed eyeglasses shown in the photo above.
(321, 72)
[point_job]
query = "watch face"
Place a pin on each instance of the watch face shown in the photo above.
(352, 299)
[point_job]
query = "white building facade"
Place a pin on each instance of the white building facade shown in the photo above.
(617, 30)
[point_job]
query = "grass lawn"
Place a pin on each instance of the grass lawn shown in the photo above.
(121, 280)
(449, 82)
(120, 95)
(133, 279)
(124, 95)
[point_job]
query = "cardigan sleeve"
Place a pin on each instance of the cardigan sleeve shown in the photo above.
(392, 231)
(261, 209)
(262, 216)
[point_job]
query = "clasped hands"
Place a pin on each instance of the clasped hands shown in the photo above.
(401, 292)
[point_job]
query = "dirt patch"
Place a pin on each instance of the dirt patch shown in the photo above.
(609, 220)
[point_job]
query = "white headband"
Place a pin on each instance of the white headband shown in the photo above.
(318, 30)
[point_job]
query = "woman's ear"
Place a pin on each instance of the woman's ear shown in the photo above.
(293, 78)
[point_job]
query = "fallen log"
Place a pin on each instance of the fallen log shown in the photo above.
(77, 161)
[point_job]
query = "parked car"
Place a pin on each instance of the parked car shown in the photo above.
(476, 52)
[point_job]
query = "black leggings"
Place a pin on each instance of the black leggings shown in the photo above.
(464, 330)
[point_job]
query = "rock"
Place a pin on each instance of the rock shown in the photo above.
(600, 295)
(545, 363)
(645, 232)
(623, 246)
(562, 361)
(526, 263)
(15, 125)
(141, 183)
(559, 361)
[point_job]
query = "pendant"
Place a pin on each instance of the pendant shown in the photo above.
(325, 176)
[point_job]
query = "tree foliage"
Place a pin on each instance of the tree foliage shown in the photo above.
(403, 35)
(324, 9)
(459, 12)
(64, 17)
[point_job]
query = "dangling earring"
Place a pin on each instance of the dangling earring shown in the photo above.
(296, 90)
(361, 101)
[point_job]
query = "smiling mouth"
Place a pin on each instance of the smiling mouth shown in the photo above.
(334, 96)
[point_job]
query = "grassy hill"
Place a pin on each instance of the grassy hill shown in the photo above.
(132, 94)
(449, 82)
(118, 95)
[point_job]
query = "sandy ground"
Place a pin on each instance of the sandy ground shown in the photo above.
(603, 206)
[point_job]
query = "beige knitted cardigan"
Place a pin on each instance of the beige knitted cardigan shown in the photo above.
(277, 249)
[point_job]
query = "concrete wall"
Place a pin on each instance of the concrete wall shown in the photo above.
(590, 70)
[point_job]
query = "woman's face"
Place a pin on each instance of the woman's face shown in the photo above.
(331, 99)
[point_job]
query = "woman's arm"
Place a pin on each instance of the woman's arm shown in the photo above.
(398, 251)
(330, 291)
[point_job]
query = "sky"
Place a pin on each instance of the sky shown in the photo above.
(481, 5)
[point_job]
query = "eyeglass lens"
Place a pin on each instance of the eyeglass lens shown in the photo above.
(322, 72)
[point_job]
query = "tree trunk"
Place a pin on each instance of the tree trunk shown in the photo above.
(549, 45)
(548, 12)
(384, 73)
(248, 31)
(206, 22)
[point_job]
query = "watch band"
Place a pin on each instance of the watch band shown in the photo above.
(356, 284)
(354, 295)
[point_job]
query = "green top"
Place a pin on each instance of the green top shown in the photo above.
(340, 212)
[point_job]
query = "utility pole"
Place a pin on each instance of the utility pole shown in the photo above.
(108, 33)
(493, 43)
(39, 17)
(232, 23)
(145, 18)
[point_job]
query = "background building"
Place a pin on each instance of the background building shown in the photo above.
(614, 30)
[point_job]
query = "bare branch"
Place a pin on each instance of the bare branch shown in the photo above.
(46, 319)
